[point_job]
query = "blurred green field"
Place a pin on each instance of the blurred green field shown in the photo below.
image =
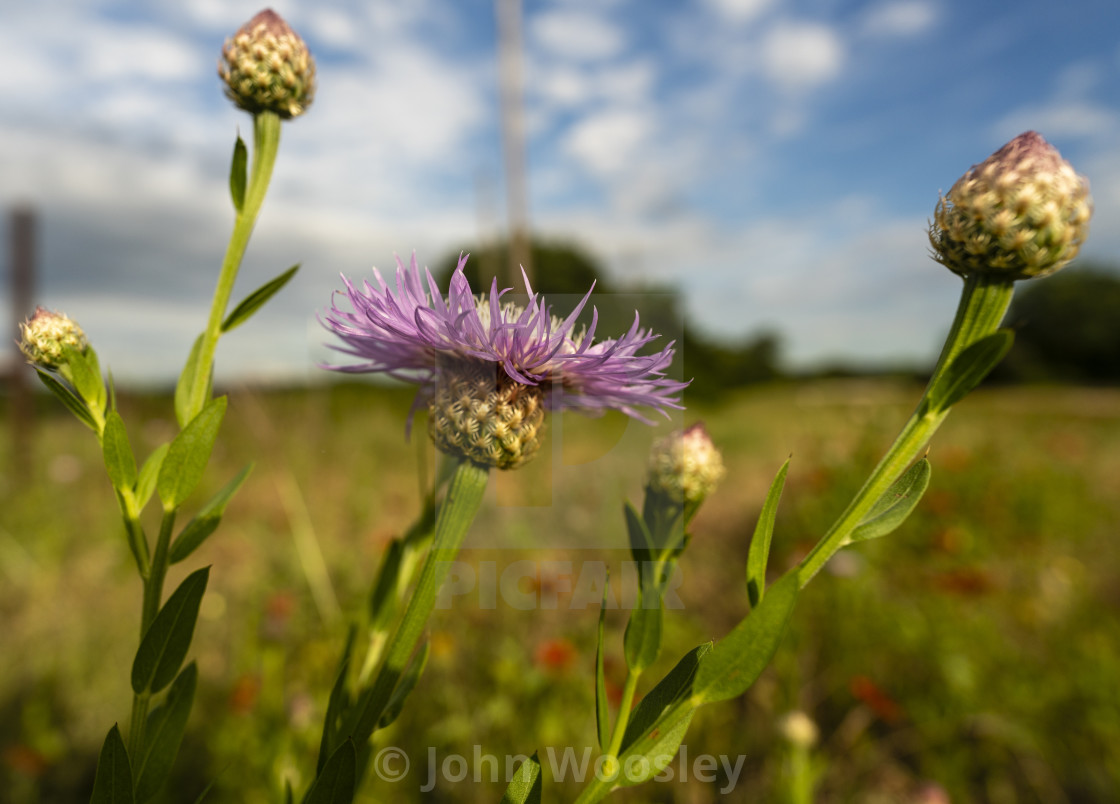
(976, 649)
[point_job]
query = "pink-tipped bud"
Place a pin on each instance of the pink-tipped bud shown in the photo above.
(1021, 213)
(45, 336)
(267, 67)
(685, 467)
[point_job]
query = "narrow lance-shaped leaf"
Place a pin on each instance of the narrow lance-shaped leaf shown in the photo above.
(206, 520)
(113, 782)
(257, 299)
(895, 505)
(525, 786)
(676, 684)
(68, 398)
(405, 687)
(759, 555)
(188, 455)
(164, 733)
(643, 763)
(642, 640)
(641, 542)
(738, 659)
(969, 368)
(237, 174)
(149, 472)
(337, 702)
(164, 647)
(86, 374)
(335, 783)
(186, 382)
(119, 460)
(602, 713)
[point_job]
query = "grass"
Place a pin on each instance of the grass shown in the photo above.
(975, 649)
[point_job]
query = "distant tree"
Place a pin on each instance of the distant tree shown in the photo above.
(1067, 327)
(564, 272)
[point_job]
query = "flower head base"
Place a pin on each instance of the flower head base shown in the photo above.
(1021, 213)
(488, 368)
(685, 467)
(45, 336)
(481, 413)
(267, 67)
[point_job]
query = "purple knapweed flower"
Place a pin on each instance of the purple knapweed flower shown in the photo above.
(489, 368)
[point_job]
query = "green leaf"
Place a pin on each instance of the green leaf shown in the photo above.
(759, 555)
(68, 398)
(338, 702)
(237, 174)
(119, 460)
(188, 455)
(206, 520)
(289, 797)
(335, 783)
(186, 382)
(405, 687)
(641, 542)
(642, 641)
(385, 587)
(602, 713)
(113, 782)
(738, 659)
(164, 647)
(85, 373)
(257, 299)
(677, 684)
(525, 786)
(146, 481)
(642, 765)
(969, 368)
(895, 505)
(164, 733)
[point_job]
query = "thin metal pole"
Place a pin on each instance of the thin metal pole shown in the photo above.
(513, 137)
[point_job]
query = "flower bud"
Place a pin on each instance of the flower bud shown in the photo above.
(685, 467)
(1021, 213)
(480, 413)
(44, 336)
(267, 67)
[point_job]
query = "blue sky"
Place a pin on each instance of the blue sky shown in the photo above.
(776, 161)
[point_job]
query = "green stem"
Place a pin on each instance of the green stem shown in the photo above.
(266, 142)
(464, 496)
(623, 719)
(153, 593)
(982, 306)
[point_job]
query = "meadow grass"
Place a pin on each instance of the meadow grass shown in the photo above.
(977, 647)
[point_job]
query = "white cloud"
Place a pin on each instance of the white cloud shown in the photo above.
(739, 11)
(900, 19)
(577, 35)
(802, 55)
(605, 142)
(133, 52)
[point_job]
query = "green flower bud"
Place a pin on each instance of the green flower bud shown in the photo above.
(1021, 213)
(479, 412)
(267, 67)
(44, 336)
(685, 467)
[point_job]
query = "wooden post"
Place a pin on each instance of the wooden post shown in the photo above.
(21, 238)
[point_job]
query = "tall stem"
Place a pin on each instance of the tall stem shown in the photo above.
(982, 306)
(464, 496)
(266, 142)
